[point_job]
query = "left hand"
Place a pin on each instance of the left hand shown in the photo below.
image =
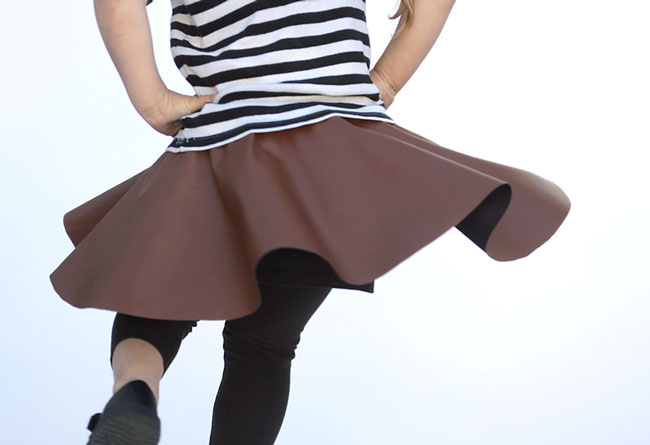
(386, 91)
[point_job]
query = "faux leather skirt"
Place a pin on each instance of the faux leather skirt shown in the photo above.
(336, 203)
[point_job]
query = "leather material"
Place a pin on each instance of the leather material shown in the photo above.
(338, 203)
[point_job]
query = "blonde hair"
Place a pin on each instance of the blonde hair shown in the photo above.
(405, 10)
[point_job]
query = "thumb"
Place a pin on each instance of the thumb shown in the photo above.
(195, 103)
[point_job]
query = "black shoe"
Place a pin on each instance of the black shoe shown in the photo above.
(129, 418)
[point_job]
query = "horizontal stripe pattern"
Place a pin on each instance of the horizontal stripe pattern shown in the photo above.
(273, 65)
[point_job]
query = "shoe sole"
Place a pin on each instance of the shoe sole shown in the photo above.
(127, 430)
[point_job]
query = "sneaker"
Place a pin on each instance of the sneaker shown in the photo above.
(129, 418)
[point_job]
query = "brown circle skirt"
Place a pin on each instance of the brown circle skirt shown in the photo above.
(334, 203)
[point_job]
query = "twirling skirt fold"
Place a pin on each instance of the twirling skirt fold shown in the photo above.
(337, 203)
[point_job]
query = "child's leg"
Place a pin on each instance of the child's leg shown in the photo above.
(144, 348)
(141, 351)
(258, 349)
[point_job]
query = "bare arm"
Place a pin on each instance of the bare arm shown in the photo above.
(404, 54)
(124, 27)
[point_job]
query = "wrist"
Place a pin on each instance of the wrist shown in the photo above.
(385, 81)
(147, 100)
(150, 104)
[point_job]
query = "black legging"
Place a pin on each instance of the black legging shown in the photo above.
(258, 349)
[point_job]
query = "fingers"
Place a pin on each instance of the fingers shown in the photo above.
(385, 92)
(195, 103)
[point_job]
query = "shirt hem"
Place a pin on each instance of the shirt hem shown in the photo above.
(175, 148)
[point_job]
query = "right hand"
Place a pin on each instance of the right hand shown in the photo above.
(165, 113)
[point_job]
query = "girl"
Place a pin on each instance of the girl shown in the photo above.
(285, 178)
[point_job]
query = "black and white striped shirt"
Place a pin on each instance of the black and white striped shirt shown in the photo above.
(274, 64)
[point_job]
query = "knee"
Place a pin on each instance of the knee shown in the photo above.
(164, 335)
(264, 346)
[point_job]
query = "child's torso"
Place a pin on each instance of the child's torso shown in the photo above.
(272, 63)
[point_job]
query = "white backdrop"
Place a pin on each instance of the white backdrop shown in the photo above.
(452, 348)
